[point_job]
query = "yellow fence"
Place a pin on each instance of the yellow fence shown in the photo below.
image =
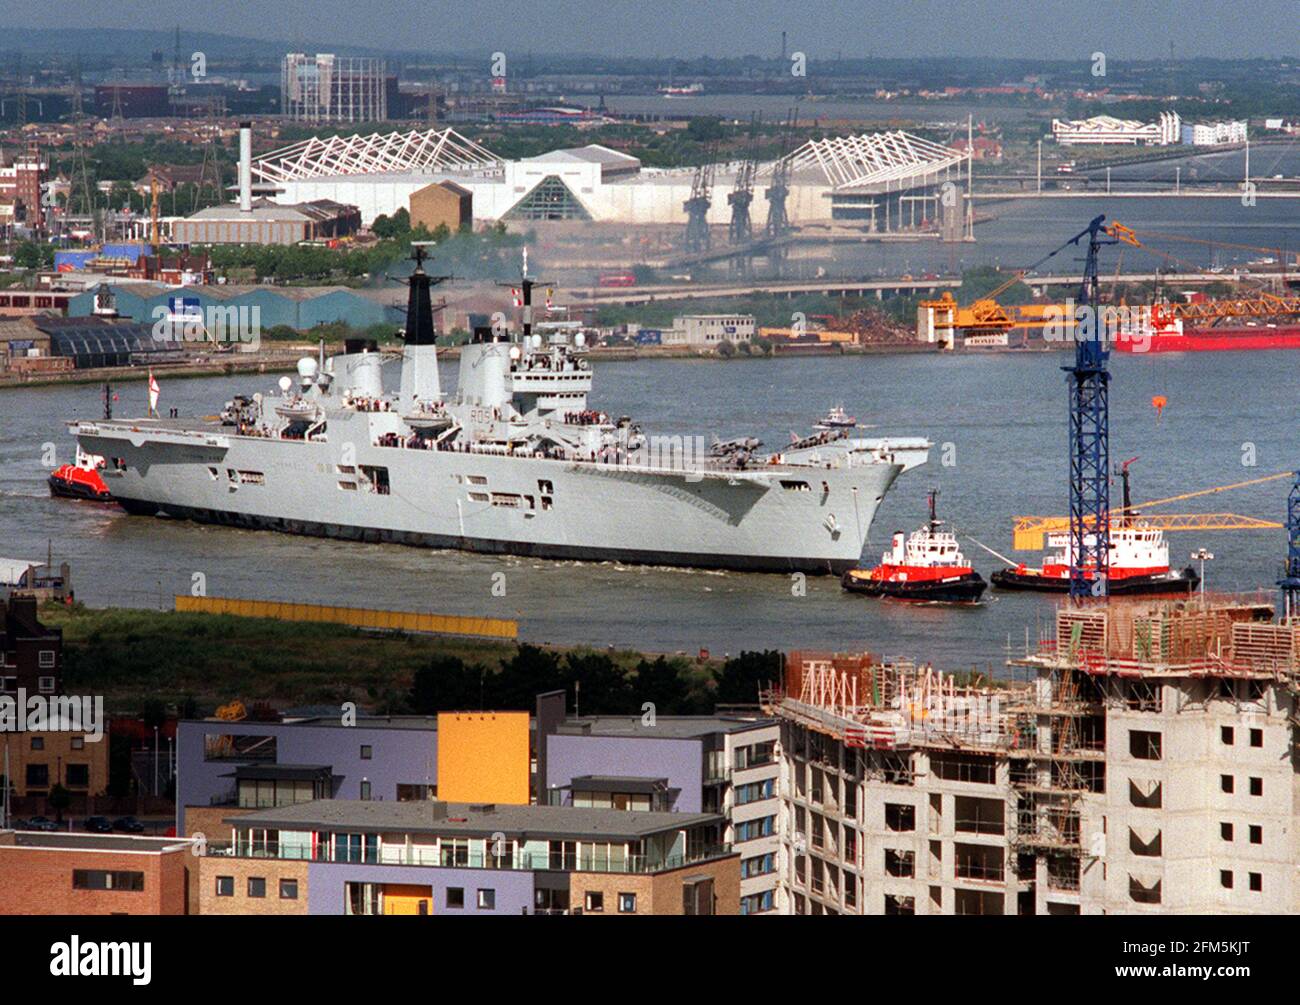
(357, 617)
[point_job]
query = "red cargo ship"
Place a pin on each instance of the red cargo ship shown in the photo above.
(1165, 334)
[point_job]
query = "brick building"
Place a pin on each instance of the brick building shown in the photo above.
(31, 655)
(442, 203)
(93, 874)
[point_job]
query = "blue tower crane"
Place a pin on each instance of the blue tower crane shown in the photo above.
(1290, 581)
(1089, 387)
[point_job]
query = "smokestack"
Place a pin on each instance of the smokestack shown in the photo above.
(245, 167)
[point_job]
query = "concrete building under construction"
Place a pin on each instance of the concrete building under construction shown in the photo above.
(326, 88)
(1141, 762)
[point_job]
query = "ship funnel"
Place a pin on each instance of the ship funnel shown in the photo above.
(245, 167)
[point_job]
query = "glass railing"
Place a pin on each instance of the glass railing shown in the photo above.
(398, 855)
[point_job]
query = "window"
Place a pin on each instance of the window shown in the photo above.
(38, 743)
(964, 768)
(755, 754)
(1143, 893)
(1256, 882)
(1225, 878)
(78, 776)
(1144, 745)
(367, 751)
(899, 905)
(1145, 794)
(78, 743)
(757, 903)
(900, 817)
(755, 791)
(46, 659)
(759, 865)
(257, 886)
(102, 879)
(751, 829)
(1256, 834)
(1225, 831)
(288, 889)
(455, 897)
(594, 902)
(900, 863)
(45, 685)
(627, 903)
(225, 886)
(487, 900)
(1257, 738)
(365, 789)
(1226, 783)
(38, 775)
(1225, 735)
(697, 897)
(1148, 846)
(1257, 786)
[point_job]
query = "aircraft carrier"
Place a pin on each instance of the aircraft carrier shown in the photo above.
(513, 462)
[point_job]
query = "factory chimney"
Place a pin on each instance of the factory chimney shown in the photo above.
(245, 167)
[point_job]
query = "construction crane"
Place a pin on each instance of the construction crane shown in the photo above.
(1028, 532)
(778, 186)
(740, 234)
(1089, 392)
(697, 206)
(1290, 581)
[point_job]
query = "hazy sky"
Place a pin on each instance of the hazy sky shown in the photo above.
(1028, 28)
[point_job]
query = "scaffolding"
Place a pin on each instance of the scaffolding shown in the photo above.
(326, 88)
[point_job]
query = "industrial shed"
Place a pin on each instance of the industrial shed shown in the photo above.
(94, 342)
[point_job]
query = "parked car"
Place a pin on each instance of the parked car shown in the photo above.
(19, 824)
(98, 825)
(128, 825)
(42, 824)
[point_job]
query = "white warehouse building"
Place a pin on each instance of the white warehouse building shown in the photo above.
(872, 179)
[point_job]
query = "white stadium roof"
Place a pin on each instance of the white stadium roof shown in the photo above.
(431, 150)
(875, 159)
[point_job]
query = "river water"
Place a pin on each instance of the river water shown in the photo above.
(1000, 421)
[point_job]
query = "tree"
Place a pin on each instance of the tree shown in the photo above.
(602, 686)
(446, 683)
(743, 676)
(725, 349)
(661, 683)
(529, 672)
(154, 713)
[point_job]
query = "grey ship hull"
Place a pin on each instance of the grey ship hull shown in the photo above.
(777, 518)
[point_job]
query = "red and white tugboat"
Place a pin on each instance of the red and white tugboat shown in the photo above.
(80, 480)
(928, 565)
(1138, 561)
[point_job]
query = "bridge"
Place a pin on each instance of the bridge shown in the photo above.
(842, 287)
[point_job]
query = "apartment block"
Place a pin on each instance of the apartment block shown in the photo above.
(722, 764)
(338, 856)
(1139, 761)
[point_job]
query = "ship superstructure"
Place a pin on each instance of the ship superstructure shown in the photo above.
(514, 461)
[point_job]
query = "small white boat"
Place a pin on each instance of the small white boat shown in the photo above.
(836, 418)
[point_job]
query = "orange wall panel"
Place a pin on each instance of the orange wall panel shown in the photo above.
(483, 757)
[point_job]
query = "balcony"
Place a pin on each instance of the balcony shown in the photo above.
(457, 859)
